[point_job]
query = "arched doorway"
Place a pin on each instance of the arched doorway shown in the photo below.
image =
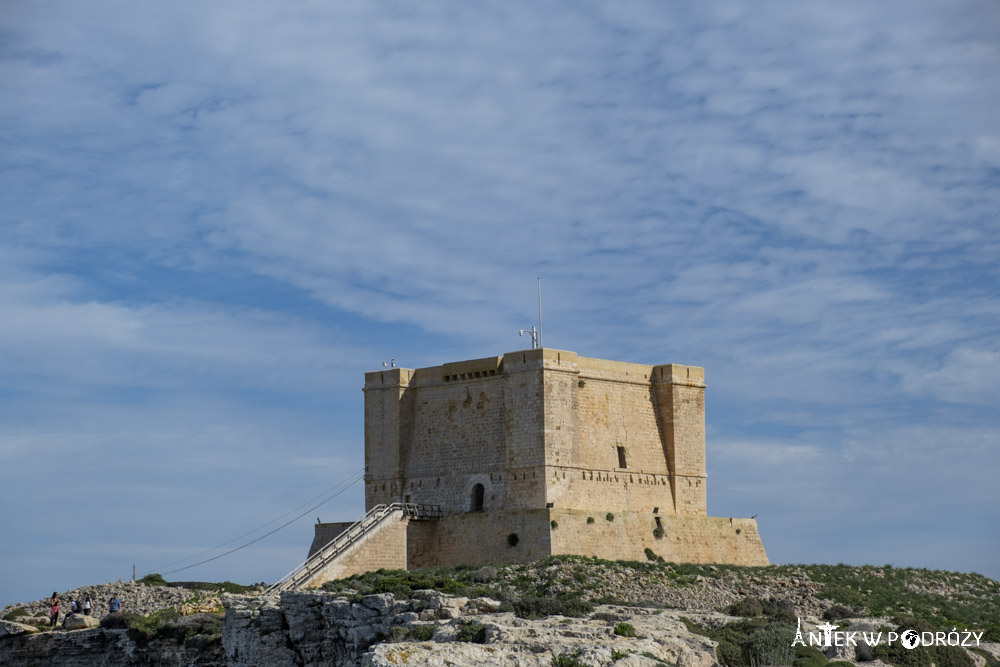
(478, 492)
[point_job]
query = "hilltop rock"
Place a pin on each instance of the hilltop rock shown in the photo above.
(80, 622)
(11, 629)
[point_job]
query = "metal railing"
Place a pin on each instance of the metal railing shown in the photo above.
(338, 545)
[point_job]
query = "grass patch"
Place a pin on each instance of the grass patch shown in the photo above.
(625, 630)
(567, 660)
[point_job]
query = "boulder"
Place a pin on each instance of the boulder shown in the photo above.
(380, 602)
(486, 605)
(10, 629)
(80, 622)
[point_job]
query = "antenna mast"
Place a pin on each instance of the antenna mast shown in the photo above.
(539, 311)
(536, 335)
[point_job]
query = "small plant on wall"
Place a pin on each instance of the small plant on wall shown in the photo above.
(653, 556)
(609, 516)
(590, 520)
(554, 524)
(512, 540)
(658, 532)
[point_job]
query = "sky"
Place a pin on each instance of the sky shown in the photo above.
(215, 217)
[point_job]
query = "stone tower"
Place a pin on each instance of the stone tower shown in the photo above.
(566, 453)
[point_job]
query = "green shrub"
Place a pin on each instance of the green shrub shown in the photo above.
(15, 614)
(512, 540)
(215, 587)
(399, 634)
(119, 620)
(729, 654)
(472, 632)
(590, 520)
(748, 606)
(567, 660)
(609, 516)
(808, 656)
(653, 556)
(143, 628)
(422, 633)
(554, 524)
(538, 606)
(625, 630)
(771, 645)
(617, 655)
(658, 532)
(923, 656)
(154, 580)
(782, 610)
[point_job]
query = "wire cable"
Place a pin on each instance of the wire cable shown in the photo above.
(287, 523)
(337, 489)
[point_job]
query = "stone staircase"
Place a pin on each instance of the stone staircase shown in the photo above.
(377, 518)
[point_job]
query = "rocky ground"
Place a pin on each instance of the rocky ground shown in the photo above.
(137, 598)
(559, 611)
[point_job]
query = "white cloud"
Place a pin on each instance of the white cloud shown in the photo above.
(234, 206)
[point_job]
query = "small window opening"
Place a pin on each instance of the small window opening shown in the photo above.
(477, 498)
(621, 458)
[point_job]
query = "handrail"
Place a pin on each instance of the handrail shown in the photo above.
(323, 557)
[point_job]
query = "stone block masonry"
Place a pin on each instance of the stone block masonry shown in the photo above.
(513, 443)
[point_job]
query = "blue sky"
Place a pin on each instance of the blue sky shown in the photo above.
(216, 217)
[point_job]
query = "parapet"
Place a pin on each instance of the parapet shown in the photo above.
(537, 359)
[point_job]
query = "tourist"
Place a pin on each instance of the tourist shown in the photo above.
(54, 610)
(114, 604)
(87, 606)
(76, 606)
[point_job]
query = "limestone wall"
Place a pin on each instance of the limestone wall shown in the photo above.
(324, 533)
(605, 446)
(686, 539)
(479, 538)
(384, 547)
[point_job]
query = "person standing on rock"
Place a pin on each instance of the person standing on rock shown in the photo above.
(54, 610)
(87, 605)
(114, 604)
